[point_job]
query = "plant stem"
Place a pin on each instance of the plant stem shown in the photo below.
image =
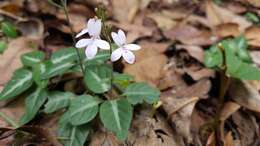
(9, 120)
(64, 7)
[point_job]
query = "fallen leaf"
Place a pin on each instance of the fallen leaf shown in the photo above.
(229, 141)
(255, 3)
(10, 60)
(227, 30)
(128, 12)
(255, 55)
(163, 22)
(141, 70)
(194, 51)
(218, 15)
(190, 35)
(252, 36)
(245, 94)
(200, 74)
(31, 28)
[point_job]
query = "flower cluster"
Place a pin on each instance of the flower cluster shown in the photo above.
(94, 42)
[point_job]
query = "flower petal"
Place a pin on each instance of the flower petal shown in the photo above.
(83, 43)
(102, 44)
(82, 32)
(122, 37)
(91, 51)
(94, 27)
(116, 54)
(128, 56)
(132, 47)
(116, 39)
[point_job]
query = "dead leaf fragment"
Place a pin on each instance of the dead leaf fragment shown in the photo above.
(252, 35)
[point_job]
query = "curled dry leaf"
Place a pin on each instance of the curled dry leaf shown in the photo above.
(179, 106)
(218, 15)
(227, 30)
(252, 35)
(246, 94)
(152, 131)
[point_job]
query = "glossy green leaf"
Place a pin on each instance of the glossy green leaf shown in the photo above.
(57, 100)
(32, 58)
(83, 109)
(116, 115)
(122, 80)
(3, 46)
(97, 78)
(139, 92)
(238, 69)
(241, 48)
(9, 29)
(73, 135)
(38, 71)
(33, 103)
(252, 17)
(20, 81)
(100, 58)
(64, 55)
(57, 69)
(213, 57)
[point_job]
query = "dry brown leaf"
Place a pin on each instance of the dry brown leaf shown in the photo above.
(148, 70)
(246, 94)
(194, 51)
(163, 22)
(200, 74)
(228, 109)
(218, 15)
(190, 35)
(179, 106)
(252, 35)
(125, 10)
(100, 138)
(255, 3)
(147, 130)
(227, 30)
(211, 140)
(10, 60)
(229, 141)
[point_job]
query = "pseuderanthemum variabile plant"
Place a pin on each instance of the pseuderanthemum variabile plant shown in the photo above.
(107, 94)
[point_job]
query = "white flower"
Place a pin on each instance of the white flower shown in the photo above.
(124, 48)
(94, 42)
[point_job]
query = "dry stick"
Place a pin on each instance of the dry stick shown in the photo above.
(64, 7)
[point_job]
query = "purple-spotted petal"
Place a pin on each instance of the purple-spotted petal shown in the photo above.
(116, 54)
(128, 56)
(91, 51)
(83, 43)
(132, 47)
(102, 44)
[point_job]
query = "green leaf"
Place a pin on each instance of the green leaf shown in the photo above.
(20, 81)
(252, 17)
(239, 69)
(38, 71)
(97, 78)
(122, 80)
(32, 58)
(33, 103)
(64, 55)
(73, 135)
(137, 92)
(116, 115)
(9, 29)
(83, 109)
(57, 69)
(100, 58)
(241, 48)
(57, 100)
(213, 57)
(3, 46)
